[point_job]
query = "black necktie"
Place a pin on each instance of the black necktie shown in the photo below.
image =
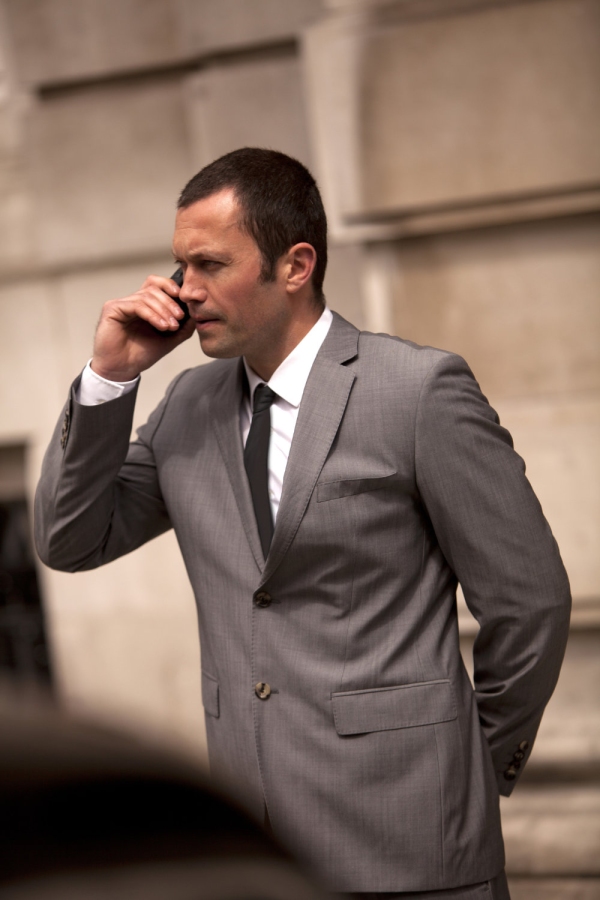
(256, 455)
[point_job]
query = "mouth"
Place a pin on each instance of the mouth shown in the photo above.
(205, 322)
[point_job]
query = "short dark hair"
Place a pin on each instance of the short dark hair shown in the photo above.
(280, 201)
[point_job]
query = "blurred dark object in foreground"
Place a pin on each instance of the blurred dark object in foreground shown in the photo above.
(23, 648)
(88, 813)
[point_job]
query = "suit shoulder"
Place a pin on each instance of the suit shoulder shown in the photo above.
(386, 350)
(205, 376)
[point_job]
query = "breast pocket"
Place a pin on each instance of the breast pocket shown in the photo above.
(346, 487)
(388, 708)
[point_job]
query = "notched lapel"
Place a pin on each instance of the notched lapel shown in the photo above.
(225, 416)
(321, 410)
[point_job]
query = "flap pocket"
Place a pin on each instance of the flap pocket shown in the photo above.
(402, 706)
(333, 490)
(210, 694)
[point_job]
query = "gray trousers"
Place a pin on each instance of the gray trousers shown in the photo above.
(496, 889)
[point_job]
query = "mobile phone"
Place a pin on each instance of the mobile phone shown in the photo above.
(177, 277)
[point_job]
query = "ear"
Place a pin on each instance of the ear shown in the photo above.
(299, 264)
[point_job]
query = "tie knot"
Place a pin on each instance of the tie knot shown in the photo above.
(263, 398)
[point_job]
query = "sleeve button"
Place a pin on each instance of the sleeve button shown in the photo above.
(510, 774)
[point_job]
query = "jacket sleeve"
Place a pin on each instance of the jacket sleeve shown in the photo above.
(492, 531)
(98, 497)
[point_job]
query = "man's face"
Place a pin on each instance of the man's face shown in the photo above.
(235, 314)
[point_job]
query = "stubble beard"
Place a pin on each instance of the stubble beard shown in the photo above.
(226, 348)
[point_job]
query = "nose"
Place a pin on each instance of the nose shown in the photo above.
(193, 289)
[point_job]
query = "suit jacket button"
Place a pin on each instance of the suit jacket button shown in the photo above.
(524, 745)
(262, 690)
(518, 756)
(262, 599)
(510, 774)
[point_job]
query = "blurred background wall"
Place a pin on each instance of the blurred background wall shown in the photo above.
(457, 146)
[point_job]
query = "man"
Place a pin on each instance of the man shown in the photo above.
(333, 687)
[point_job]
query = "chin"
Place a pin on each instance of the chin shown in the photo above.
(215, 352)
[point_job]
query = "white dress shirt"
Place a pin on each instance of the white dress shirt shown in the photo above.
(288, 381)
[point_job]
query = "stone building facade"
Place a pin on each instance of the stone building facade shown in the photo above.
(457, 146)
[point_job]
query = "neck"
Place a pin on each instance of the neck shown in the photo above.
(265, 366)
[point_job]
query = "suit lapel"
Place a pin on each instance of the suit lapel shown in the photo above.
(323, 404)
(225, 416)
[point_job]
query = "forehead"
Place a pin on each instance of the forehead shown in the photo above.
(211, 221)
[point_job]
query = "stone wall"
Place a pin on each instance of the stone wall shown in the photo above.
(457, 146)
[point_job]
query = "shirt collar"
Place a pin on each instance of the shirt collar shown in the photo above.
(289, 379)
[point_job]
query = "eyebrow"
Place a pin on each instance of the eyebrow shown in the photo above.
(201, 255)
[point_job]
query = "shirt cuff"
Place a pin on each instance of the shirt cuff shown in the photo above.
(94, 389)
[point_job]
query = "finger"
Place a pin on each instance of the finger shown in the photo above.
(184, 332)
(154, 310)
(129, 313)
(173, 337)
(172, 306)
(152, 306)
(164, 284)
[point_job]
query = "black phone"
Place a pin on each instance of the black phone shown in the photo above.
(177, 277)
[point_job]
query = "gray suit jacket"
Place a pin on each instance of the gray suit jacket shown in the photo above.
(376, 759)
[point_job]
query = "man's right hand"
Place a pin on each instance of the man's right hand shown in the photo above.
(125, 343)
